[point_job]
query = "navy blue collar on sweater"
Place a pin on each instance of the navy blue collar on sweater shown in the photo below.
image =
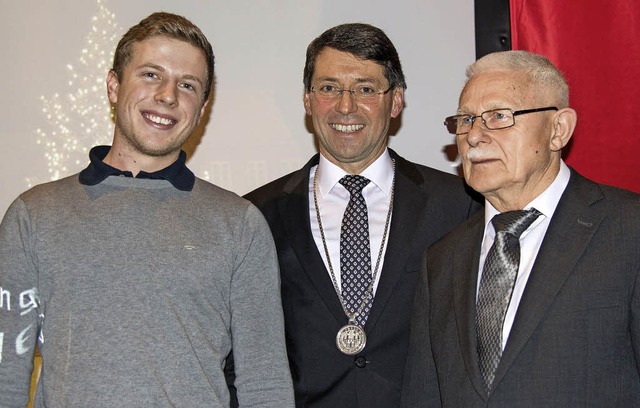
(177, 173)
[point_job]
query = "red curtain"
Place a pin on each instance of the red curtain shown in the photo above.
(596, 44)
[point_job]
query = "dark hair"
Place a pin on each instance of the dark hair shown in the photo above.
(364, 41)
(168, 25)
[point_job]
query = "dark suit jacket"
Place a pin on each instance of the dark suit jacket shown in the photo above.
(575, 341)
(427, 204)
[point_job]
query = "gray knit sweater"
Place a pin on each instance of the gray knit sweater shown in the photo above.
(137, 292)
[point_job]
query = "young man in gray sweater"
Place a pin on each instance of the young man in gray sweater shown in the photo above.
(135, 278)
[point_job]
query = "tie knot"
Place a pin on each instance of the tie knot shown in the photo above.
(515, 222)
(354, 184)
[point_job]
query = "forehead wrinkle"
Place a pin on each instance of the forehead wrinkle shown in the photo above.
(344, 67)
(483, 98)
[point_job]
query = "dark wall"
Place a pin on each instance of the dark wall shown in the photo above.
(493, 28)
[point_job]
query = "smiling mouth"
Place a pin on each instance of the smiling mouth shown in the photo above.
(159, 120)
(346, 128)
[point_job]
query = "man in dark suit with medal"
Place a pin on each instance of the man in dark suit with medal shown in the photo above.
(536, 301)
(351, 225)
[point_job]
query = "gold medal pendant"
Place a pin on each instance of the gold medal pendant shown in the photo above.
(351, 339)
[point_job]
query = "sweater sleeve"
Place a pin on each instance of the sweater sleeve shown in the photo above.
(20, 311)
(262, 371)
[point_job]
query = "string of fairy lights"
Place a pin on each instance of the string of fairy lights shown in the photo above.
(80, 117)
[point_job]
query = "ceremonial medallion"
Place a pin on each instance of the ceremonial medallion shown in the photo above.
(351, 339)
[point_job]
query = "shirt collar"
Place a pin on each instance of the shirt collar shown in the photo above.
(546, 202)
(177, 173)
(380, 173)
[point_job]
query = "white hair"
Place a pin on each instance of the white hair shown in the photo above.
(541, 72)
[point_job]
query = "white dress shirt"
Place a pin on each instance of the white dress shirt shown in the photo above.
(333, 198)
(530, 241)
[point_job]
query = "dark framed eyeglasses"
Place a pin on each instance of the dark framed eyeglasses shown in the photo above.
(493, 119)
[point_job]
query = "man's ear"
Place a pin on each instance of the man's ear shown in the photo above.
(307, 102)
(112, 86)
(398, 102)
(202, 110)
(564, 123)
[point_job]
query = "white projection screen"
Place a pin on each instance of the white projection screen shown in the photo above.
(56, 54)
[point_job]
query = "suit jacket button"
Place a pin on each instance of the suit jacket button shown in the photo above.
(361, 362)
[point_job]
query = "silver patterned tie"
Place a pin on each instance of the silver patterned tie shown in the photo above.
(355, 250)
(496, 286)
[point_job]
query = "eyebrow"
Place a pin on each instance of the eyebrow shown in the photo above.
(462, 111)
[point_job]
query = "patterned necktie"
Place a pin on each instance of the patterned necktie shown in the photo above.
(355, 250)
(498, 279)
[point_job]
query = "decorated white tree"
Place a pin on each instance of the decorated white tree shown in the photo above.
(80, 116)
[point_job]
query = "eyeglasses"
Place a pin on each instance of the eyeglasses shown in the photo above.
(493, 119)
(364, 93)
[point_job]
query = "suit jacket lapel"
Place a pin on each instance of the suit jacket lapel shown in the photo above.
(294, 211)
(465, 281)
(573, 225)
(407, 202)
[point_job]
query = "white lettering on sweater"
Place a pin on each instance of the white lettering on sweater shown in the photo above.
(21, 340)
(28, 301)
(5, 295)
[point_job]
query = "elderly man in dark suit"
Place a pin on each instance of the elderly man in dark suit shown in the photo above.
(348, 284)
(536, 302)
